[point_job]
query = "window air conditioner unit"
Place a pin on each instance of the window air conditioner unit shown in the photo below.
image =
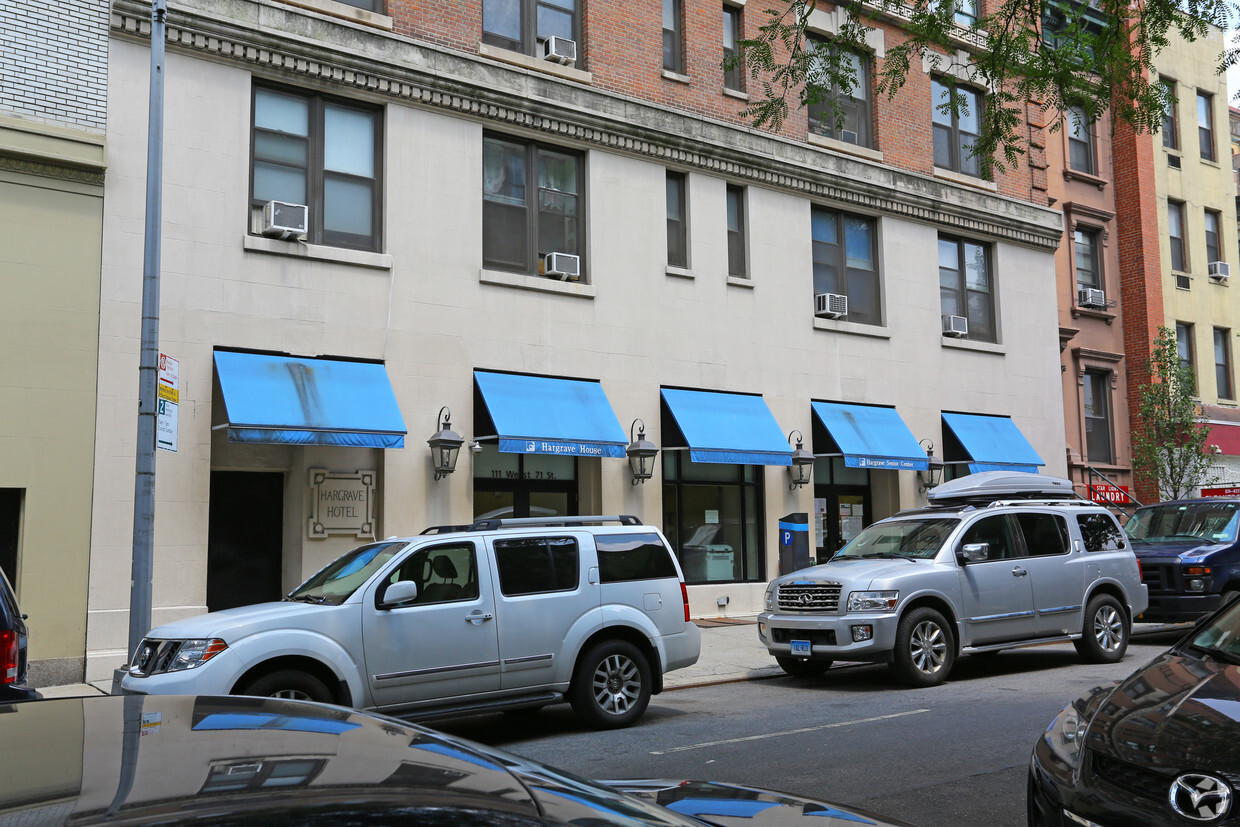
(1183, 282)
(955, 326)
(1220, 270)
(830, 305)
(563, 266)
(1091, 297)
(560, 50)
(282, 220)
(848, 136)
(1173, 161)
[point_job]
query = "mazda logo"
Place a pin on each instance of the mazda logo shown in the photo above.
(1200, 797)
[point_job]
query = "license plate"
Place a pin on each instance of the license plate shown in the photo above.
(800, 647)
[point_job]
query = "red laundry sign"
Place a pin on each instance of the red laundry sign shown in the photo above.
(1104, 492)
(1227, 491)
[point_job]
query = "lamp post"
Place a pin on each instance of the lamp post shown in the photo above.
(445, 445)
(641, 453)
(932, 475)
(802, 462)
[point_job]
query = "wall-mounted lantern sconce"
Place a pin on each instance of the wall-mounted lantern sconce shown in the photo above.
(641, 453)
(802, 462)
(445, 445)
(932, 475)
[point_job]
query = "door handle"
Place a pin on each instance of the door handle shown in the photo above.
(1019, 572)
(478, 617)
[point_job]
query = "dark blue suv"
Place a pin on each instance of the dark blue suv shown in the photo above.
(13, 637)
(1189, 551)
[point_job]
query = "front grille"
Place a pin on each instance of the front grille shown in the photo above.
(817, 637)
(809, 597)
(154, 656)
(1134, 779)
(1159, 577)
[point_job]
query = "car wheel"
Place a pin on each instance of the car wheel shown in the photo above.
(925, 648)
(1104, 637)
(803, 667)
(611, 685)
(289, 684)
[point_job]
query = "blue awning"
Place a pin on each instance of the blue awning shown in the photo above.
(870, 436)
(993, 443)
(540, 415)
(287, 401)
(728, 427)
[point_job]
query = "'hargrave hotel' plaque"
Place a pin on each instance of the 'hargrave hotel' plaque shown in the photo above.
(342, 503)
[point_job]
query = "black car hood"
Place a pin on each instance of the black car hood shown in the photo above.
(151, 759)
(1179, 712)
(731, 805)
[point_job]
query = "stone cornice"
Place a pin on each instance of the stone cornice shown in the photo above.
(29, 166)
(287, 42)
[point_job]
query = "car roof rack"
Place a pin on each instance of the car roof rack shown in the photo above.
(990, 487)
(536, 522)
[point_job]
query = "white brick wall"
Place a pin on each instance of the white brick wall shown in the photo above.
(53, 61)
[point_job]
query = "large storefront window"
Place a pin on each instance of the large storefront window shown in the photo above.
(523, 485)
(712, 515)
(842, 505)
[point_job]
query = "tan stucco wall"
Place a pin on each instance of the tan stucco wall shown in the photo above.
(51, 214)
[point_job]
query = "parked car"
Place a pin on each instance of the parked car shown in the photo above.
(1189, 551)
(1161, 747)
(998, 560)
(505, 614)
(14, 638)
(182, 760)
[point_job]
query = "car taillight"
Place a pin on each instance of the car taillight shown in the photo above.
(8, 656)
(684, 598)
(1140, 571)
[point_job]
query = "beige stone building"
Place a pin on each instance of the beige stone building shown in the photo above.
(439, 178)
(52, 160)
(1197, 223)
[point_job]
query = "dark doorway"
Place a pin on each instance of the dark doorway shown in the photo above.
(10, 531)
(245, 539)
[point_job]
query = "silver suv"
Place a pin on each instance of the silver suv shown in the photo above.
(503, 614)
(1000, 559)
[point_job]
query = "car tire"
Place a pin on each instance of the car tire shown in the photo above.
(611, 685)
(803, 667)
(289, 684)
(925, 648)
(1104, 637)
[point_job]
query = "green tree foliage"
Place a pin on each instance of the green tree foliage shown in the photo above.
(1171, 450)
(1097, 56)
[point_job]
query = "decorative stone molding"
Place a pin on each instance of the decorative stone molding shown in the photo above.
(828, 23)
(56, 171)
(281, 41)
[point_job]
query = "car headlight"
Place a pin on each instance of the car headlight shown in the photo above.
(1066, 736)
(769, 600)
(873, 601)
(158, 656)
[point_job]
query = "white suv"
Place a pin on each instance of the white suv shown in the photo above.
(503, 614)
(999, 560)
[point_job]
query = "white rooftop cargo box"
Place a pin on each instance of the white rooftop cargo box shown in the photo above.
(989, 486)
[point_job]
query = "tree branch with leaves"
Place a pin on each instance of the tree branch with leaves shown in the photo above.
(1060, 54)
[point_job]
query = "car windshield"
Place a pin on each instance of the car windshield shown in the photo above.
(1209, 522)
(919, 539)
(1221, 637)
(345, 575)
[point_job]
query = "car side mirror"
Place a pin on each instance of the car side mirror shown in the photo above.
(402, 591)
(974, 553)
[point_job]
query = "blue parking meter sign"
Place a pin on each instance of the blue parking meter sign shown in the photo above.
(793, 542)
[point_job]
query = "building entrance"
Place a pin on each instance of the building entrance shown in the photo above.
(523, 485)
(245, 538)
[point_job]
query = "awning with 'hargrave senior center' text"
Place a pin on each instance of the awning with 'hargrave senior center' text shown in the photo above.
(546, 415)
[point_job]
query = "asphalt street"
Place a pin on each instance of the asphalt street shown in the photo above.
(953, 755)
